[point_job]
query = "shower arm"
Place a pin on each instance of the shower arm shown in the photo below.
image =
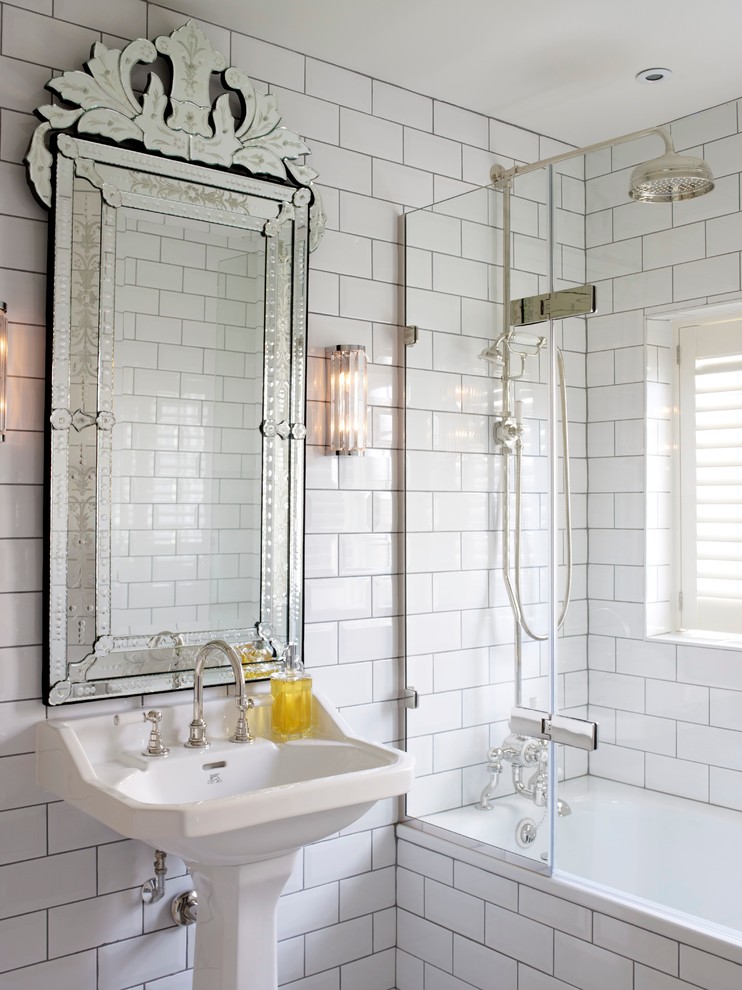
(500, 176)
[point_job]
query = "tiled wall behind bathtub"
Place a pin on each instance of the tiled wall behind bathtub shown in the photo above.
(669, 715)
(467, 920)
(71, 913)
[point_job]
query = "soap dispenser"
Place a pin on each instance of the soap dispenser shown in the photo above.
(291, 687)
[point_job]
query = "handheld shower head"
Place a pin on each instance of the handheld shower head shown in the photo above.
(670, 178)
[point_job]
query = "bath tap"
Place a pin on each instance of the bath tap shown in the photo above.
(197, 738)
(521, 751)
(494, 769)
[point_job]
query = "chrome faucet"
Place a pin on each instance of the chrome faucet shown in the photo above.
(521, 752)
(197, 738)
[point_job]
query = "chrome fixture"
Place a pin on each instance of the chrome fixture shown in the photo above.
(526, 832)
(523, 753)
(509, 428)
(671, 177)
(153, 890)
(348, 398)
(184, 908)
(527, 747)
(559, 305)
(523, 344)
(155, 745)
(580, 733)
(197, 738)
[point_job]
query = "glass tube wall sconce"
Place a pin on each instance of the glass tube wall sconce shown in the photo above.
(3, 366)
(348, 398)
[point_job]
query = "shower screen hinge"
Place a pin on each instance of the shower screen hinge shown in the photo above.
(564, 729)
(411, 698)
(411, 335)
(559, 305)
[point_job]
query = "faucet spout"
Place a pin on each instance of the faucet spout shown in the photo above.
(197, 738)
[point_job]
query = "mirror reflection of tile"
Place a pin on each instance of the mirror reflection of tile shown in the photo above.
(187, 448)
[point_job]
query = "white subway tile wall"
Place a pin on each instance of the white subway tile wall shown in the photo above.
(380, 150)
(466, 919)
(669, 709)
(376, 148)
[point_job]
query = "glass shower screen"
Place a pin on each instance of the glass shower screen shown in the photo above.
(484, 540)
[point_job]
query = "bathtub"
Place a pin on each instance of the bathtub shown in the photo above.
(654, 850)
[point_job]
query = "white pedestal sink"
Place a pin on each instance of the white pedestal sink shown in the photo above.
(236, 930)
(236, 813)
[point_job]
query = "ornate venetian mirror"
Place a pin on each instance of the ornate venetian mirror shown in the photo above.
(182, 218)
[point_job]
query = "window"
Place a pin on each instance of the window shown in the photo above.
(710, 477)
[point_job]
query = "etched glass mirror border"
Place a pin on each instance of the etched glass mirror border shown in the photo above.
(86, 183)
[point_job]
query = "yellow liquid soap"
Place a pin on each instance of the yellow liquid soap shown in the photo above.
(292, 706)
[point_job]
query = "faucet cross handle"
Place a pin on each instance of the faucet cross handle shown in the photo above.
(155, 745)
(242, 732)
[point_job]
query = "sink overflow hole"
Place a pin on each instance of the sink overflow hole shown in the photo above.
(218, 765)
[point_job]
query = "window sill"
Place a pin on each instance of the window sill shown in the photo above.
(720, 641)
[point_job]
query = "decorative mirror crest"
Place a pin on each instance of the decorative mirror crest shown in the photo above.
(183, 123)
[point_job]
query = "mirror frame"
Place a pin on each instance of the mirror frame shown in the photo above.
(202, 169)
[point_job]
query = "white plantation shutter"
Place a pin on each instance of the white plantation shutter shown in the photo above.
(710, 361)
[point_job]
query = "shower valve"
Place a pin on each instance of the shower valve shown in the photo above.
(508, 432)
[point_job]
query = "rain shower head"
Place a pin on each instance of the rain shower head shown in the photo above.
(666, 179)
(670, 178)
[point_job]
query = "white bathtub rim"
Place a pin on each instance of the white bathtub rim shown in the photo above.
(685, 929)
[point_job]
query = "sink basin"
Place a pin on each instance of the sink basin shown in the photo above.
(229, 804)
(236, 813)
(179, 782)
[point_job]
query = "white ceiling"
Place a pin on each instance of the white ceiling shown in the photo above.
(564, 68)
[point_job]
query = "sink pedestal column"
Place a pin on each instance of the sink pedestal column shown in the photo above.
(236, 928)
